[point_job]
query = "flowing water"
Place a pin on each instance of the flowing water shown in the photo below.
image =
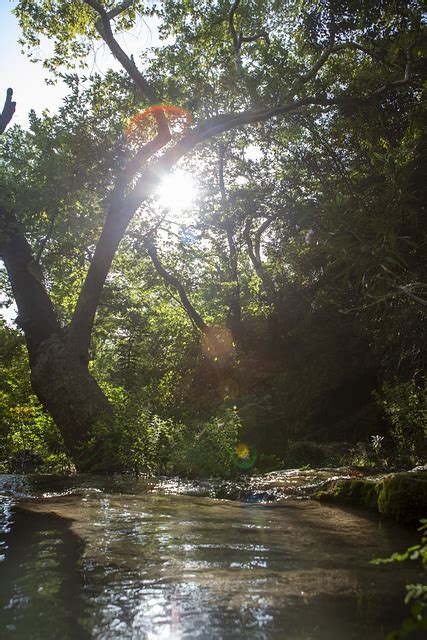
(87, 557)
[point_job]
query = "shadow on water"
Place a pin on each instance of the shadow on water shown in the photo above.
(40, 586)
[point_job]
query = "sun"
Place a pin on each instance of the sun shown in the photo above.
(177, 192)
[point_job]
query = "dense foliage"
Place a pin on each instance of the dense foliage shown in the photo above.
(282, 308)
(416, 594)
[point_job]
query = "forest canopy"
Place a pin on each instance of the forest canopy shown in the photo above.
(216, 246)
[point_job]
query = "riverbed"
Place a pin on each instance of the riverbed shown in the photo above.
(86, 557)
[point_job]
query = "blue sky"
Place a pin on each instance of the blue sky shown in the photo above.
(27, 79)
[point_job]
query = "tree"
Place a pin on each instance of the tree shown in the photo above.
(232, 65)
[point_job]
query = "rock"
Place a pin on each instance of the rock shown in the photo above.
(401, 496)
(404, 497)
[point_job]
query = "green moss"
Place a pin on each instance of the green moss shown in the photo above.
(360, 493)
(402, 497)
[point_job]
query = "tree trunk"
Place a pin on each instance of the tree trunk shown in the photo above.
(234, 315)
(254, 252)
(64, 386)
(59, 374)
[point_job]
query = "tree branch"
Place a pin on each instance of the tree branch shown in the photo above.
(255, 258)
(104, 29)
(263, 227)
(103, 26)
(146, 152)
(234, 306)
(173, 281)
(123, 6)
(8, 111)
(232, 28)
(47, 236)
(333, 49)
(36, 315)
(123, 208)
(221, 156)
(239, 39)
(260, 35)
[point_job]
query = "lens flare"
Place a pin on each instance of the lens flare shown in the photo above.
(230, 389)
(217, 343)
(143, 127)
(244, 456)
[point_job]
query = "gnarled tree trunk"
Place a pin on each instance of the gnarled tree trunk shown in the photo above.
(63, 384)
(59, 373)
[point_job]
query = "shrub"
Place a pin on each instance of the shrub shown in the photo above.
(405, 407)
(130, 440)
(206, 449)
(133, 440)
(315, 454)
(416, 594)
(28, 437)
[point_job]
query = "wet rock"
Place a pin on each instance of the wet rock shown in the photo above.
(401, 496)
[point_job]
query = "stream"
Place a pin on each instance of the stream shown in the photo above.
(90, 557)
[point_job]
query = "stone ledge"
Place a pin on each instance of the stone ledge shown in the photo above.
(402, 496)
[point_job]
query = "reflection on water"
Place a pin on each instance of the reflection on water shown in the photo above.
(97, 564)
(40, 582)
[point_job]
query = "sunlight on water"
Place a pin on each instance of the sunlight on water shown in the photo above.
(110, 565)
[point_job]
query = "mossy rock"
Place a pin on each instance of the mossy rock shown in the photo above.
(359, 493)
(402, 496)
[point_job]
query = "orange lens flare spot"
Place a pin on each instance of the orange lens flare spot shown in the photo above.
(144, 126)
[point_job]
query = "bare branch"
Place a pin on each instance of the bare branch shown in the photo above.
(407, 290)
(397, 84)
(8, 111)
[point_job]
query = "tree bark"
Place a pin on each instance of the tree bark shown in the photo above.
(59, 375)
(64, 386)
